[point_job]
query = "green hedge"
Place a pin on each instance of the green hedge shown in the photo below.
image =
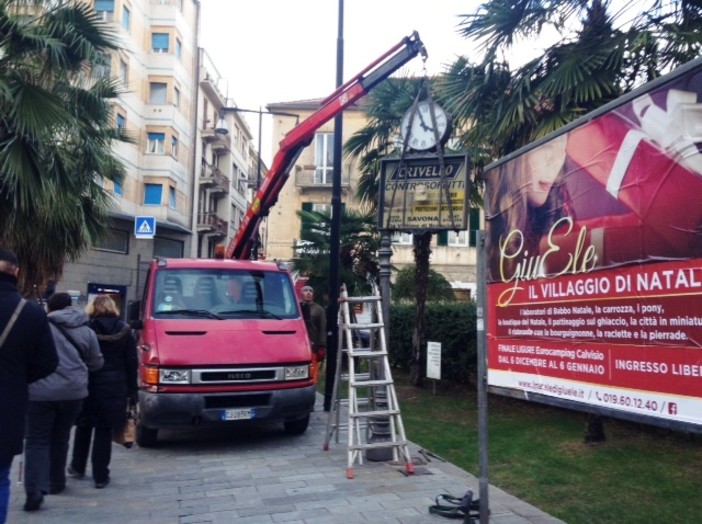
(451, 324)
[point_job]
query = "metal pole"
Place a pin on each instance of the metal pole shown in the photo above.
(254, 251)
(482, 381)
(335, 233)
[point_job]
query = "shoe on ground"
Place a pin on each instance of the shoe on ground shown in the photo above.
(55, 490)
(100, 485)
(74, 473)
(33, 502)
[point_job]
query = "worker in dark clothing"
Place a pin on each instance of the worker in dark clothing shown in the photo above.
(316, 322)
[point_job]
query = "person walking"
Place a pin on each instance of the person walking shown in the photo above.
(316, 322)
(27, 354)
(56, 400)
(111, 388)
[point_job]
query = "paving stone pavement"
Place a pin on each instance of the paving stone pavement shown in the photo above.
(261, 476)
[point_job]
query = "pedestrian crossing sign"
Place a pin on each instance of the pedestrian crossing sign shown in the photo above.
(145, 227)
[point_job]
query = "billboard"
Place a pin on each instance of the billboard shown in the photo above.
(594, 260)
(416, 195)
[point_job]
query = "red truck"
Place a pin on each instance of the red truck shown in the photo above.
(223, 341)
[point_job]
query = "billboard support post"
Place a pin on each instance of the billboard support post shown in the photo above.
(482, 382)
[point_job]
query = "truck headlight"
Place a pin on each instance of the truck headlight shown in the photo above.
(296, 372)
(174, 376)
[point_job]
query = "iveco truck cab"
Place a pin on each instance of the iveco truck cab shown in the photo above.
(220, 341)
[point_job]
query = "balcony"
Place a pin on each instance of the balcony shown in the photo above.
(213, 179)
(218, 142)
(211, 224)
(306, 178)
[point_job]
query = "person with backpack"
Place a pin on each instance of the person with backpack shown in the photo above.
(55, 401)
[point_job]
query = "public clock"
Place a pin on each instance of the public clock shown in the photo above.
(420, 129)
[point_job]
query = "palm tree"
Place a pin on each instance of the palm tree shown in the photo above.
(56, 134)
(358, 253)
(606, 51)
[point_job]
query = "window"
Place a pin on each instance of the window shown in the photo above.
(324, 209)
(323, 157)
(124, 72)
(155, 143)
(178, 49)
(172, 197)
(158, 93)
(117, 189)
(457, 238)
(102, 66)
(402, 238)
(159, 42)
(174, 147)
(115, 241)
(121, 121)
(105, 9)
(165, 247)
(126, 20)
(152, 194)
(176, 97)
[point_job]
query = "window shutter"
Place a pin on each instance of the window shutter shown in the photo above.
(474, 226)
(442, 238)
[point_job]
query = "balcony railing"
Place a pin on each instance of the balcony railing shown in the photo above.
(214, 179)
(211, 224)
(308, 178)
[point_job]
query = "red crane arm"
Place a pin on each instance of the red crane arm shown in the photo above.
(301, 136)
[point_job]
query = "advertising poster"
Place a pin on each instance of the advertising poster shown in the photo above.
(594, 259)
(415, 194)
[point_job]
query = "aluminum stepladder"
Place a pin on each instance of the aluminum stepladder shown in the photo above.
(371, 390)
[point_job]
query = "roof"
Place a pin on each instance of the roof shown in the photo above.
(211, 263)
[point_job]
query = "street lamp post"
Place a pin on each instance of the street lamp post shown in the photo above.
(222, 129)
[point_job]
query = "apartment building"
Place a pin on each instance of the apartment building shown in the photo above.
(310, 188)
(192, 180)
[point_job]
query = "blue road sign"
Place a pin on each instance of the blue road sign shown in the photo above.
(144, 227)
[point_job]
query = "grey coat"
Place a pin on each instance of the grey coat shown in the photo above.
(70, 380)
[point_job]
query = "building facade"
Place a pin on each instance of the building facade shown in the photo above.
(192, 181)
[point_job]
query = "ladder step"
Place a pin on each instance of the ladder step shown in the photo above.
(380, 413)
(366, 383)
(364, 325)
(367, 353)
(356, 300)
(362, 376)
(376, 445)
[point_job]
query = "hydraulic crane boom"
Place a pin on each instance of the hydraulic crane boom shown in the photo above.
(301, 136)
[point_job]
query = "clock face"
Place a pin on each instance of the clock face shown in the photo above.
(421, 128)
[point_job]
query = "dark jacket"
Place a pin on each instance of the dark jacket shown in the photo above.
(111, 385)
(70, 380)
(316, 322)
(27, 355)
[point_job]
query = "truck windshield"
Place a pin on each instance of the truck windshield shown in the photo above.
(223, 294)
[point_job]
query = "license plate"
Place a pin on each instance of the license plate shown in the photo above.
(238, 414)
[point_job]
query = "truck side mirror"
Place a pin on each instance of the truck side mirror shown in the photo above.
(133, 314)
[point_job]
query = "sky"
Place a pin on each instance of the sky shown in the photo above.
(285, 50)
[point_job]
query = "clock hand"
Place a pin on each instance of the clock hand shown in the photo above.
(423, 123)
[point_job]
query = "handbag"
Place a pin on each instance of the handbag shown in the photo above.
(126, 435)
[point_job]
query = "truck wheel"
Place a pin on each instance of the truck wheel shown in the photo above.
(146, 437)
(297, 427)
